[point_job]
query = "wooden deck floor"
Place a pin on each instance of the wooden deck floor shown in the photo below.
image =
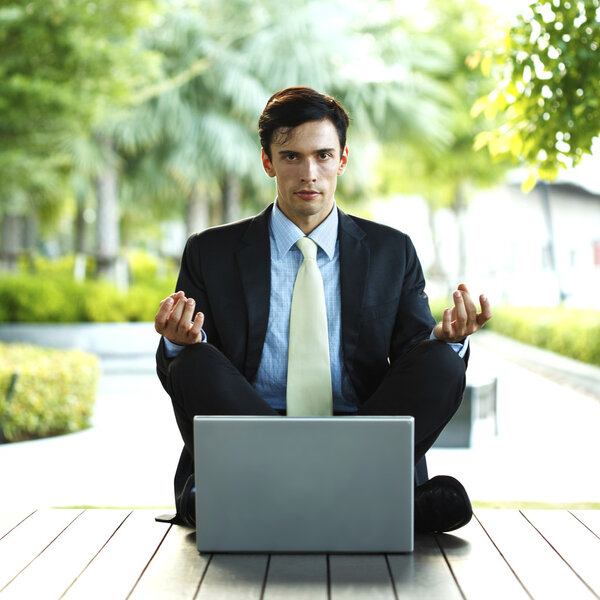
(113, 554)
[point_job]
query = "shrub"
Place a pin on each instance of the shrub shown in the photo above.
(44, 290)
(437, 307)
(56, 267)
(143, 300)
(53, 394)
(27, 298)
(143, 267)
(567, 331)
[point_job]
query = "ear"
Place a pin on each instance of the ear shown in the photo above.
(267, 165)
(343, 161)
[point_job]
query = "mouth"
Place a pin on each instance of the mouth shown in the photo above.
(308, 194)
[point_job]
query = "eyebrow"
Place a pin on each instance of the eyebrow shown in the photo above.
(291, 151)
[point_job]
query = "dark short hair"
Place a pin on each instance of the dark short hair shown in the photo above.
(294, 106)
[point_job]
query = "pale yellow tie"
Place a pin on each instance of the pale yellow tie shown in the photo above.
(309, 373)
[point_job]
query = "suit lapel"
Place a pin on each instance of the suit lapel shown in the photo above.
(354, 267)
(254, 263)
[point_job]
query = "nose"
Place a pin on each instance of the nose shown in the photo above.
(309, 173)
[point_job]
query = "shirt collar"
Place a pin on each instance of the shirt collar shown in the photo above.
(286, 234)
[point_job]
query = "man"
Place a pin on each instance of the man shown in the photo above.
(226, 332)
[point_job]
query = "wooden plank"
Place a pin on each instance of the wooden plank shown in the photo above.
(102, 553)
(470, 552)
(424, 574)
(590, 518)
(360, 576)
(11, 518)
(577, 545)
(176, 569)
(235, 576)
(540, 569)
(21, 546)
(67, 556)
(297, 577)
(114, 572)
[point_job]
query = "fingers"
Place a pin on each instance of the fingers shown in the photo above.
(164, 311)
(175, 320)
(469, 305)
(181, 304)
(447, 324)
(464, 314)
(486, 310)
(188, 306)
(196, 329)
(468, 319)
(462, 319)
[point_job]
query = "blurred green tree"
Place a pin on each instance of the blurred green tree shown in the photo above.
(225, 60)
(196, 127)
(546, 76)
(444, 174)
(63, 67)
(190, 136)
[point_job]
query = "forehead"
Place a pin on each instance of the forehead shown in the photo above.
(312, 135)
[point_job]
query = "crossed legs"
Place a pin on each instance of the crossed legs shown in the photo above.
(426, 383)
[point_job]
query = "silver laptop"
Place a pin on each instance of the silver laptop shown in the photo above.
(304, 484)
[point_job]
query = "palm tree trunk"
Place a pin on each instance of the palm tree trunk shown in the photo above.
(231, 198)
(30, 239)
(215, 213)
(547, 207)
(436, 271)
(197, 211)
(107, 221)
(79, 227)
(12, 241)
(460, 210)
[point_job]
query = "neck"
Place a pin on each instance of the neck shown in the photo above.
(306, 223)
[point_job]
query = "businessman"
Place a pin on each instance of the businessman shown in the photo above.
(262, 304)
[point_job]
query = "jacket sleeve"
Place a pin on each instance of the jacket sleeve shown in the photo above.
(414, 321)
(191, 282)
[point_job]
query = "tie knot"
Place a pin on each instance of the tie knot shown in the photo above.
(307, 247)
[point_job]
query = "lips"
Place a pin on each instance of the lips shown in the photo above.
(307, 194)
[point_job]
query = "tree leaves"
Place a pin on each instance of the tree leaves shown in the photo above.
(64, 66)
(546, 74)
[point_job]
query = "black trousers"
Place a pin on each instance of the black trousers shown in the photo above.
(426, 383)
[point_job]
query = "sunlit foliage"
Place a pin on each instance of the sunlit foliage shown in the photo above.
(547, 72)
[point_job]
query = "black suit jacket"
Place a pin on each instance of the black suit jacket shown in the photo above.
(385, 311)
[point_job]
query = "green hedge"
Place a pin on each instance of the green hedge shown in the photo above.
(143, 267)
(438, 306)
(60, 299)
(44, 291)
(54, 391)
(568, 331)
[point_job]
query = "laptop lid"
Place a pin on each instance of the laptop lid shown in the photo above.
(304, 484)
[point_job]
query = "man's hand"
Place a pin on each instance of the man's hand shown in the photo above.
(174, 320)
(463, 319)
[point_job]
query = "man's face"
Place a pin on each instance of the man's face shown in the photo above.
(306, 164)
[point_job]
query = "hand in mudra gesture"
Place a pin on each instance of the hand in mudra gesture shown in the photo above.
(176, 322)
(462, 319)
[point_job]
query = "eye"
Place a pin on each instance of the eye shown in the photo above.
(290, 156)
(325, 155)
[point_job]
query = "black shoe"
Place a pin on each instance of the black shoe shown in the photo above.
(186, 503)
(441, 504)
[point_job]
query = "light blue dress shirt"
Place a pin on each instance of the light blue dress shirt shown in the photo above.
(271, 378)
